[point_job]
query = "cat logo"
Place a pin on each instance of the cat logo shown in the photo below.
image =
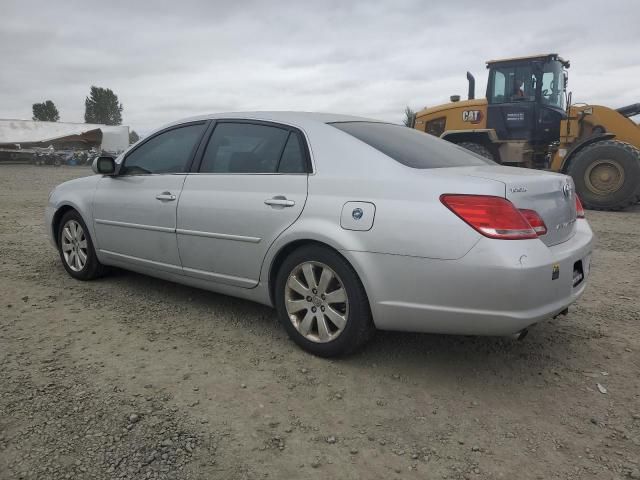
(472, 116)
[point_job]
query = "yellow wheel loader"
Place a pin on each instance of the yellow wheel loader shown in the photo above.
(527, 120)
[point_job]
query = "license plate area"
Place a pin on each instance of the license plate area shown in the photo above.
(578, 273)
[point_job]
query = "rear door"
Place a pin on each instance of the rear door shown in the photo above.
(135, 211)
(250, 186)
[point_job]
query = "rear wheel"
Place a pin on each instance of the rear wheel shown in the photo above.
(477, 148)
(607, 175)
(322, 303)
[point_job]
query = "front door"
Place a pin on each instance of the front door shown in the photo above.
(251, 186)
(135, 211)
(511, 95)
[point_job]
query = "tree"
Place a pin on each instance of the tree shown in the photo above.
(102, 106)
(45, 112)
(409, 117)
(133, 137)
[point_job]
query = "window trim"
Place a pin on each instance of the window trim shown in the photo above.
(204, 142)
(192, 155)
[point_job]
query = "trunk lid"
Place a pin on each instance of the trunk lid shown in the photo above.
(551, 195)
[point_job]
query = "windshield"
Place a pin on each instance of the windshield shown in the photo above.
(410, 147)
(552, 78)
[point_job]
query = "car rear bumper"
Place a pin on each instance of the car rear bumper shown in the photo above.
(499, 288)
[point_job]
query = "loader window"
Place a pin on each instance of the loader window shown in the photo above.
(512, 84)
(552, 92)
(498, 87)
(436, 127)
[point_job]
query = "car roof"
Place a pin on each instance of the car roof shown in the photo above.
(299, 119)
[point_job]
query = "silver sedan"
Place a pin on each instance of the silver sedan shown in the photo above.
(343, 224)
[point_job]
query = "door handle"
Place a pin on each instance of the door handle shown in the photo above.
(279, 201)
(166, 197)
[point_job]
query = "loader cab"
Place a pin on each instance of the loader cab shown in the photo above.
(526, 98)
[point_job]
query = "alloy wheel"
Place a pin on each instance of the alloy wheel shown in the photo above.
(316, 302)
(74, 245)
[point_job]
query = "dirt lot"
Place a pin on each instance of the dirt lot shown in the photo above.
(132, 377)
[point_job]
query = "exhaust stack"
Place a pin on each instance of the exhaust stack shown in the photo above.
(472, 86)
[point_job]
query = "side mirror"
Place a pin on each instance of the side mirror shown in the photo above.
(104, 166)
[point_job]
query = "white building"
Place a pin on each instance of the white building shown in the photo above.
(23, 134)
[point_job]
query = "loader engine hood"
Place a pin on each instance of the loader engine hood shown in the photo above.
(481, 102)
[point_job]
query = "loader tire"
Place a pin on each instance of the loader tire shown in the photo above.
(607, 175)
(478, 149)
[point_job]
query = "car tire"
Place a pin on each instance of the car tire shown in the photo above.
(315, 331)
(609, 156)
(478, 149)
(76, 248)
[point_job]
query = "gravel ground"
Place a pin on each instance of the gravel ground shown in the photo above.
(132, 377)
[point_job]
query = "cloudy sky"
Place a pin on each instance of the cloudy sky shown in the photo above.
(167, 60)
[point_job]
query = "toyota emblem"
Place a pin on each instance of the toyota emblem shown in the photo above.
(567, 190)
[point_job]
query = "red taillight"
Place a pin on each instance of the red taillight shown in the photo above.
(493, 217)
(534, 220)
(579, 208)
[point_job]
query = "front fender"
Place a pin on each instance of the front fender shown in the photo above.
(580, 145)
(76, 194)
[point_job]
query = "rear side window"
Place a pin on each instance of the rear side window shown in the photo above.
(293, 158)
(245, 148)
(168, 152)
(411, 147)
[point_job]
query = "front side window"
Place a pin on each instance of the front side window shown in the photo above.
(250, 148)
(411, 147)
(168, 152)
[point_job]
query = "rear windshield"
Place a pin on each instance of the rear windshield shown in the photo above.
(410, 147)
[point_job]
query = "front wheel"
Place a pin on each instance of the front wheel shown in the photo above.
(607, 175)
(76, 248)
(322, 303)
